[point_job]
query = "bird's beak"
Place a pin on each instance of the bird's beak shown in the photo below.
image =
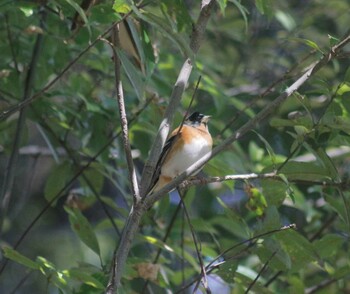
(206, 118)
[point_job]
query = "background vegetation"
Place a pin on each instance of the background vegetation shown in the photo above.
(278, 222)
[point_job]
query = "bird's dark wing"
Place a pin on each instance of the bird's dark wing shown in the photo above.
(163, 154)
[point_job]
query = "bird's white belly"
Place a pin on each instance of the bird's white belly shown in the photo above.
(190, 154)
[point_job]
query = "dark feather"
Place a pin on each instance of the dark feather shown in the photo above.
(163, 154)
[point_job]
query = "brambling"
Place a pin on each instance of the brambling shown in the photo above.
(184, 147)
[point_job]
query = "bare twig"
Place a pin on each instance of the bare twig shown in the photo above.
(213, 264)
(8, 180)
(123, 117)
(243, 177)
(260, 272)
(322, 285)
(287, 75)
(195, 242)
(165, 238)
(133, 221)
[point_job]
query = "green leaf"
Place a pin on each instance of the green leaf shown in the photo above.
(242, 10)
(328, 245)
(343, 88)
(268, 148)
(81, 13)
(305, 171)
(227, 270)
(81, 226)
(333, 40)
(121, 6)
(19, 258)
(328, 164)
(309, 43)
(274, 191)
(300, 250)
(84, 277)
(338, 205)
(57, 180)
(161, 25)
(286, 20)
(280, 261)
(296, 285)
(94, 177)
(222, 5)
(264, 7)
(134, 75)
(270, 221)
(103, 14)
(233, 223)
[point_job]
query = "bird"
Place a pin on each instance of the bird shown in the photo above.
(185, 146)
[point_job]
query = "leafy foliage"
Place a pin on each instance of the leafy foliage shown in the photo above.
(63, 164)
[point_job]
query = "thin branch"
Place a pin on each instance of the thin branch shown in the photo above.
(123, 117)
(165, 238)
(175, 98)
(323, 227)
(261, 116)
(195, 242)
(75, 161)
(130, 229)
(182, 245)
(213, 263)
(132, 223)
(321, 285)
(243, 177)
(313, 238)
(9, 175)
(70, 182)
(12, 109)
(260, 272)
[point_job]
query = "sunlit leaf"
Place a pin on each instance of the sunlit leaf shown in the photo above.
(121, 6)
(288, 22)
(19, 258)
(309, 43)
(84, 277)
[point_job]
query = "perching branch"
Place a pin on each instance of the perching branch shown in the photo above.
(260, 117)
(260, 272)
(175, 98)
(137, 211)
